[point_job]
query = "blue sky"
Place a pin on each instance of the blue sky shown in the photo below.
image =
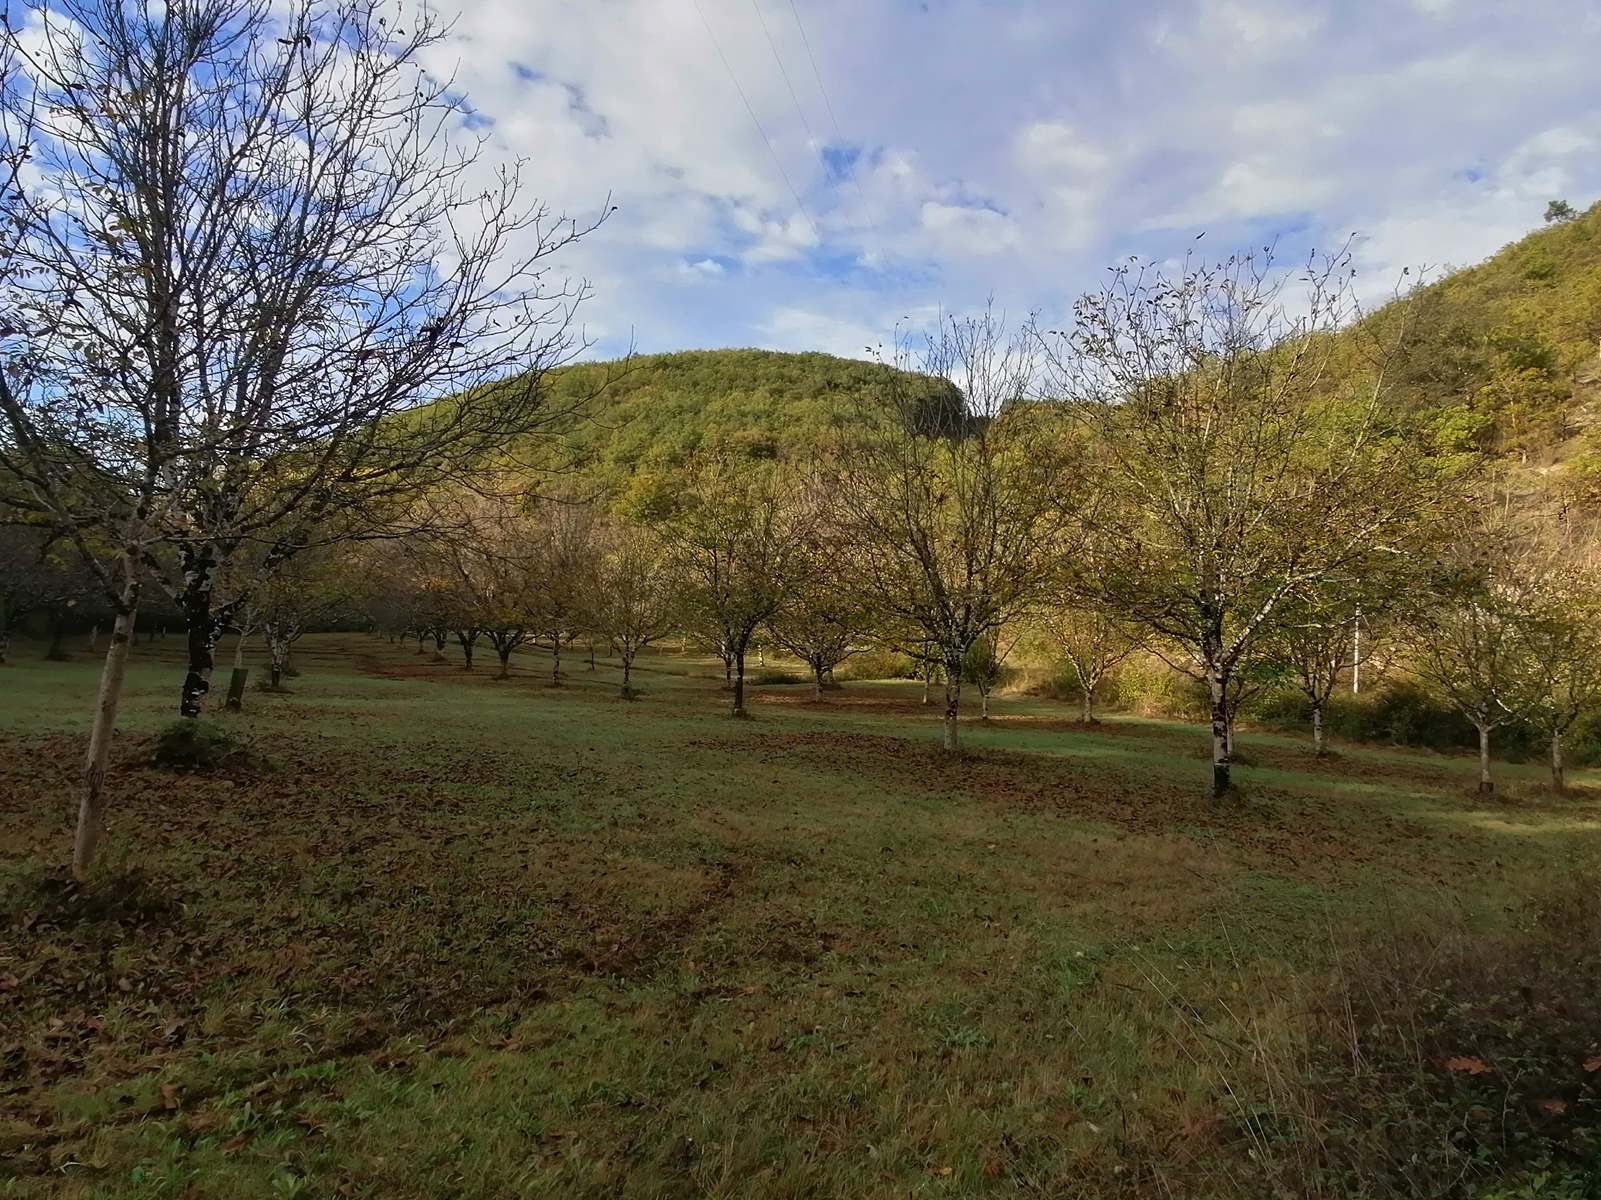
(946, 150)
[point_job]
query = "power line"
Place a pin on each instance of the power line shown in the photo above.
(861, 196)
(756, 121)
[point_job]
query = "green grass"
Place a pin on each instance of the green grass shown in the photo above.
(453, 937)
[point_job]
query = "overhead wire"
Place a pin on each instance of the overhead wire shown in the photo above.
(756, 121)
(871, 220)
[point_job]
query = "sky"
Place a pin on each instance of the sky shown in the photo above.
(810, 174)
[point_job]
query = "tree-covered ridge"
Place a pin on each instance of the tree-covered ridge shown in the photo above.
(1506, 355)
(636, 422)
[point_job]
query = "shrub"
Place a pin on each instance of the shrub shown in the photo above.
(194, 745)
(1437, 1061)
(878, 664)
(774, 675)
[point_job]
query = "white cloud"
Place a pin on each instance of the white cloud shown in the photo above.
(969, 229)
(1015, 151)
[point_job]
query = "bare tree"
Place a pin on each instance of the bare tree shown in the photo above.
(826, 618)
(1094, 642)
(313, 589)
(738, 545)
(564, 555)
(246, 240)
(1251, 452)
(957, 494)
(636, 599)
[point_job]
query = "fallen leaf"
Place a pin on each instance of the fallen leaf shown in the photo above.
(1593, 1064)
(235, 1143)
(9, 983)
(993, 1168)
(169, 1095)
(945, 1172)
(1466, 1065)
(1554, 1106)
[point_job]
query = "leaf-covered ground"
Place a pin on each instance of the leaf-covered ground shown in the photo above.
(436, 935)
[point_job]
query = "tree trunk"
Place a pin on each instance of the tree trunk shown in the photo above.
(983, 704)
(237, 680)
(817, 682)
(1317, 729)
(928, 683)
(1486, 784)
(739, 682)
(1089, 704)
(555, 660)
(468, 640)
(91, 809)
(199, 575)
(94, 638)
(58, 631)
(953, 704)
(1222, 738)
(505, 662)
(1559, 776)
(628, 670)
(5, 645)
(591, 654)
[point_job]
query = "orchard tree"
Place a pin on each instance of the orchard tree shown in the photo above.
(1251, 450)
(636, 602)
(563, 552)
(957, 495)
(252, 248)
(826, 618)
(1094, 642)
(1562, 634)
(738, 546)
(312, 590)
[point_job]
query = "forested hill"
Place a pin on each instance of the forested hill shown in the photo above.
(1507, 354)
(1505, 357)
(647, 415)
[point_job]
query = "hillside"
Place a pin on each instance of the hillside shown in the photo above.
(1505, 358)
(644, 418)
(1506, 355)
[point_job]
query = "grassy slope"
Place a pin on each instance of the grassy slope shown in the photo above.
(475, 939)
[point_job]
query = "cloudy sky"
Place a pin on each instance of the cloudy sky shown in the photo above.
(806, 174)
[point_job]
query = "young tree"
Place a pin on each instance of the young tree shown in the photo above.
(1094, 642)
(738, 546)
(314, 589)
(1561, 633)
(246, 240)
(636, 601)
(1251, 451)
(986, 664)
(825, 619)
(564, 562)
(957, 496)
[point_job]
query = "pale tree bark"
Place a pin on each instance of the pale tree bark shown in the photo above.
(91, 807)
(1486, 784)
(953, 704)
(1317, 730)
(1559, 778)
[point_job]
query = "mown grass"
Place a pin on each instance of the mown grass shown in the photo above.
(442, 936)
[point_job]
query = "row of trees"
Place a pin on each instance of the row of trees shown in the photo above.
(263, 299)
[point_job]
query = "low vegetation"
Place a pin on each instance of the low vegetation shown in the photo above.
(478, 937)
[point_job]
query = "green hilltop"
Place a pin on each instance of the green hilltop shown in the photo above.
(1505, 358)
(637, 421)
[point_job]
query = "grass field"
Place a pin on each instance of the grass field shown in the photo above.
(443, 936)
